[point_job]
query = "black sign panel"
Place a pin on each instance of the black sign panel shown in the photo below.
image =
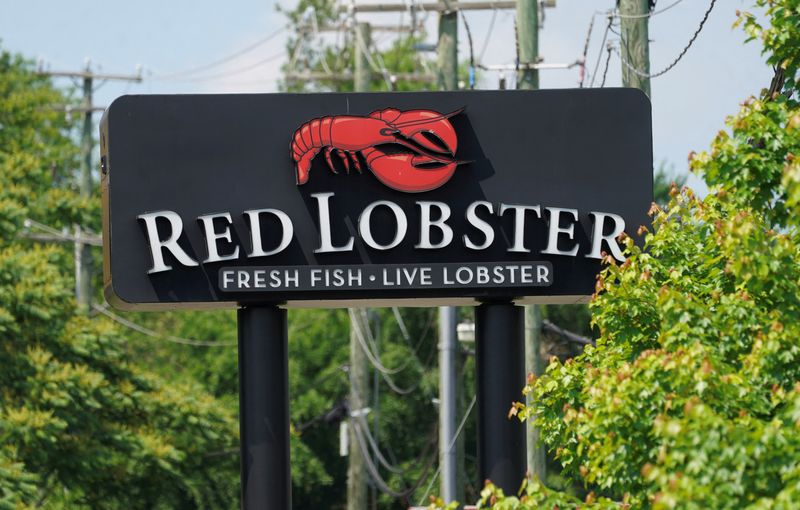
(429, 197)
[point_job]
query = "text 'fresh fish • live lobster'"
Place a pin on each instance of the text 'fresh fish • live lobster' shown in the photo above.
(410, 151)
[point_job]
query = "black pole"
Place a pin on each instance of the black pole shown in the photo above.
(264, 408)
(500, 365)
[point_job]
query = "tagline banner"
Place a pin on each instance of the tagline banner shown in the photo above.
(385, 277)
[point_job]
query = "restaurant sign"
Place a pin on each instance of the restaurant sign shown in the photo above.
(338, 199)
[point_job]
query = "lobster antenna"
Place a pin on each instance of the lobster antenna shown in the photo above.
(425, 121)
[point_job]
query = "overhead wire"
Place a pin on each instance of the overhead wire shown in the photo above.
(648, 15)
(488, 35)
(414, 348)
(586, 50)
(471, 54)
(375, 475)
(214, 63)
(361, 431)
(600, 53)
(226, 74)
(641, 73)
(608, 60)
(323, 57)
(374, 446)
(360, 337)
(154, 334)
(378, 69)
(449, 447)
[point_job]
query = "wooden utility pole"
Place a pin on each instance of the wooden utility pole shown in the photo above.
(528, 43)
(357, 472)
(362, 72)
(528, 78)
(534, 365)
(447, 79)
(356, 469)
(447, 50)
(83, 254)
(635, 43)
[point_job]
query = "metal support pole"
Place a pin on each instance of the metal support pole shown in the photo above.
(500, 367)
(264, 408)
(448, 404)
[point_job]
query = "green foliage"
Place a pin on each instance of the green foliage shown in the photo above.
(749, 161)
(691, 397)
(81, 425)
(309, 53)
(664, 179)
(779, 39)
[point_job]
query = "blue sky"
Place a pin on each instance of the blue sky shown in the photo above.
(689, 103)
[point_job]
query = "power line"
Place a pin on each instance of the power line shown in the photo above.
(223, 60)
(368, 54)
(449, 446)
(380, 483)
(149, 332)
(488, 35)
(367, 351)
(471, 54)
(444, 6)
(638, 72)
(600, 53)
(373, 359)
(648, 15)
(586, 50)
(374, 446)
(226, 73)
(605, 71)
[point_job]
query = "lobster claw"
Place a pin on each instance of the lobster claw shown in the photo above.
(401, 171)
(428, 129)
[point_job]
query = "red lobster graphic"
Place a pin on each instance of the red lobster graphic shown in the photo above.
(382, 139)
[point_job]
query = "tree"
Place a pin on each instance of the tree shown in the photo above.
(81, 425)
(309, 52)
(691, 398)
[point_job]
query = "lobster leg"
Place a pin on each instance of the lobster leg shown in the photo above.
(328, 152)
(342, 154)
(356, 162)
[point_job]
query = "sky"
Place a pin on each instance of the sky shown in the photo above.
(165, 38)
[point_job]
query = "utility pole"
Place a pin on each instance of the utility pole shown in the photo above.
(448, 401)
(447, 50)
(534, 365)
(447, 78)
(83, 254)
(528, 45)
(356, 469)
(362, 73)
(374, 325)
(528, 78)
(635, 42)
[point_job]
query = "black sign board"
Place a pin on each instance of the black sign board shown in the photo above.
(428, 197)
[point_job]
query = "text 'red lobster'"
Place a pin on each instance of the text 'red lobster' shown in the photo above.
(383, 139)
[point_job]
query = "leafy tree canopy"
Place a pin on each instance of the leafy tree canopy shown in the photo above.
(81, 425)
(691, 398)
